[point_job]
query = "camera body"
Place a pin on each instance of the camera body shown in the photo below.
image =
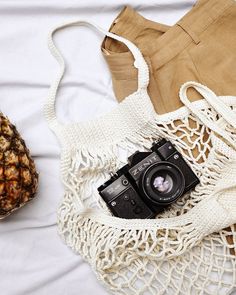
(149, 182)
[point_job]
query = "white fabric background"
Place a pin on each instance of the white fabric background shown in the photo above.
(33, 260)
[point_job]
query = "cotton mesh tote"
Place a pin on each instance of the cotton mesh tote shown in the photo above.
(190, 247)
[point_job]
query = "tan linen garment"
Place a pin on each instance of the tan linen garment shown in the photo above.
(199, 47)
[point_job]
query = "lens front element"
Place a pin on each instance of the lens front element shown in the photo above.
(163, 183)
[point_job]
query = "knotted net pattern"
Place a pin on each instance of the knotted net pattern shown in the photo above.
(164, 256)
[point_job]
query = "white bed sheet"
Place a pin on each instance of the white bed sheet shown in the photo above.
(33, 259)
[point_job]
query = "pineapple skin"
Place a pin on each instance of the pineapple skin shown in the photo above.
(18, 175)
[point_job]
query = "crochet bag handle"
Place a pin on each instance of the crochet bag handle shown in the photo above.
(139, 63)
(220, 107)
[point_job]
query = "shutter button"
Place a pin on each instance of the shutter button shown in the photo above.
(125, 182)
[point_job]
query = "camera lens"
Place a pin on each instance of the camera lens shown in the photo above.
(162, 183)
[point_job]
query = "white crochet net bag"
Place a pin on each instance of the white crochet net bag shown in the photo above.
(186, 249)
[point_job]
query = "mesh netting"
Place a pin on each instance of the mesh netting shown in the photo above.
(179, 252)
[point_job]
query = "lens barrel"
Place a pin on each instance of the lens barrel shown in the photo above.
(162, 183)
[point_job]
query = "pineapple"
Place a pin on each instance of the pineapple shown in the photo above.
(18, 176)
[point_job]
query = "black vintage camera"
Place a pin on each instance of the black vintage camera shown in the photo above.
(149, 182)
